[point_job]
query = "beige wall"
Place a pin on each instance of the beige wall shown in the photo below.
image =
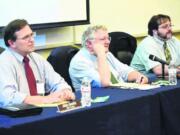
(130, 16)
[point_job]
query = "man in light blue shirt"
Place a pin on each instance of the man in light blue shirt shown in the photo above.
(14, 88)
(95, 62)
(160, 31)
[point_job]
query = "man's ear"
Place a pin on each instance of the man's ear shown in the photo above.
(154, 32)
(89, 45)
(11, 43)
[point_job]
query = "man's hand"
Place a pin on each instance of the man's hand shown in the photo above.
(138, 77)
(142, 79)
(64, 94)
(99, 49)
(57, 96)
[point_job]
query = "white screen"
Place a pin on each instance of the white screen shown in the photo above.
(43, 11)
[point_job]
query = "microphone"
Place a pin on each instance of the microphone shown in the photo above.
(154, 58)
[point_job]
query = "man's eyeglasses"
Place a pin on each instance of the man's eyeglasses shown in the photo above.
(103, 39)
(167, 26)
(27, 37)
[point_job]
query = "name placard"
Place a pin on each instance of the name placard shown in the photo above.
(68, 106)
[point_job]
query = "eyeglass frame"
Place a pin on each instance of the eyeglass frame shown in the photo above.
(102, 39)
(27, 37)
(166, 26)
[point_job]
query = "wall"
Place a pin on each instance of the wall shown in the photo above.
(130, 16)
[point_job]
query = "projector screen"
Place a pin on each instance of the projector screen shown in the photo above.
(45, 14)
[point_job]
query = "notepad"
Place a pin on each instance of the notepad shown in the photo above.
(51, 104)
(20, 110)
(124, 85)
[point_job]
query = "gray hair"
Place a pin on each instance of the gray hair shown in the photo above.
(89, 33)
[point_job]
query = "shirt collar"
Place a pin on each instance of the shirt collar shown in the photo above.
(88, 54)
(18, 56)
(160, 40)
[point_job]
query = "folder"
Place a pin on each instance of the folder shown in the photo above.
(21, 110)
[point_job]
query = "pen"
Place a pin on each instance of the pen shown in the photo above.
(141, 79)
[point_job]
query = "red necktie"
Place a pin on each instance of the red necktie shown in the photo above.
(30, 76)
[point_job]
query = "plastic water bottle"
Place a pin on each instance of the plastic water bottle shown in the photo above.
(172, 73)
(85, 92)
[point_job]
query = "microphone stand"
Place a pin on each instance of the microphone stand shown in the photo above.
(163, 73)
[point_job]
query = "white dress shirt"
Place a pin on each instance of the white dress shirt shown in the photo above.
(13, 83)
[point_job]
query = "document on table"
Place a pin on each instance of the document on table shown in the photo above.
(55, 104)
(127, 85)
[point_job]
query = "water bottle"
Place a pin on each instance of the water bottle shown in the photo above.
(172, 73)
(85, 92)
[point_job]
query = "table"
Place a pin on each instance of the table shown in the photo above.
(127, 112)
(169, 100)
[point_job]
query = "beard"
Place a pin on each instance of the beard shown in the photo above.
(165, 36)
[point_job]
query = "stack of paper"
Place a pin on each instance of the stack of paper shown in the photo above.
(51, 104)
(135, 86)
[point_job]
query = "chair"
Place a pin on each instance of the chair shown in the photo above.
(123, 46)
(60, 59)
(1, 50)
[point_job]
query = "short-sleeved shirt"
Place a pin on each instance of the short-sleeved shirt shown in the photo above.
(154, 46)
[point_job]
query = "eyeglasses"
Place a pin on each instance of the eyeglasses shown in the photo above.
(167, 26)
(103, 39)
(27, 37)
